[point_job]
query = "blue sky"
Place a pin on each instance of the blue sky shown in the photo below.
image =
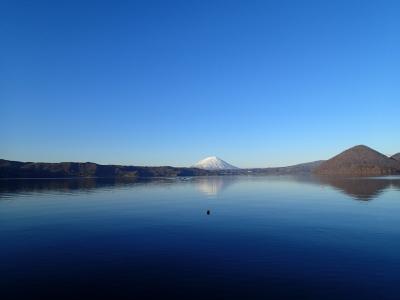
(257, 83)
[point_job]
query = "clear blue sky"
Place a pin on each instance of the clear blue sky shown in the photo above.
(257, 83)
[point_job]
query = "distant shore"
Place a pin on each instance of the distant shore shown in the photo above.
(359, 160)
(17, 169)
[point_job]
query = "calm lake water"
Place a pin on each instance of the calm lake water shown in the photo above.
(201, 238)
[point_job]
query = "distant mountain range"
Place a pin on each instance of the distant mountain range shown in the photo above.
(357, 161)
(16, 169)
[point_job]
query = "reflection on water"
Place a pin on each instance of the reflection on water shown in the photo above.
(362, 188)
(9, 187)
(214, 185)
(268, 238)
(358, 188)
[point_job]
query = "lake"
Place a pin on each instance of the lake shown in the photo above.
(201, 238)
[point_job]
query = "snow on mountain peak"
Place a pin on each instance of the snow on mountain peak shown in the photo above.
(213, 163)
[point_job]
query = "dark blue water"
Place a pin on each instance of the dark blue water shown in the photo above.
(201, 238)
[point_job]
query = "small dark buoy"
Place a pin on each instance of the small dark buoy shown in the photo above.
(208, 211)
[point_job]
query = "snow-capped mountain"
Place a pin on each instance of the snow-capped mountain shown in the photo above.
(213, 163)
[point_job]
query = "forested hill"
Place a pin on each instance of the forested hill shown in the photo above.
(16, 169)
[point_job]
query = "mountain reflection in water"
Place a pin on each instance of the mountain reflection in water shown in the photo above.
(214, 185)
(228, 237)
(360, 188)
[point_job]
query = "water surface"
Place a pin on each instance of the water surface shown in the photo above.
(201, 238)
